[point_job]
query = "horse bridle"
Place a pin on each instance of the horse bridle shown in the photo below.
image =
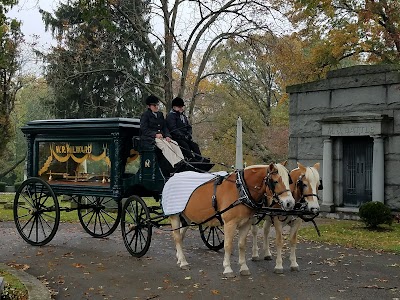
(300, 186)
(271, 185)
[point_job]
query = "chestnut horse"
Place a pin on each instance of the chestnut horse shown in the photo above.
(232, 203)
(304, 185)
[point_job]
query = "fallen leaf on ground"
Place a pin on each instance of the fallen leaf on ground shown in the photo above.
(215, 292)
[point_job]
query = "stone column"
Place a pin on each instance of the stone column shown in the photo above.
(378, 167)
(327, 177)
(239, 144)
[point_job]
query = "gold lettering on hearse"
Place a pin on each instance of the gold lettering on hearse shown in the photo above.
(68, 149)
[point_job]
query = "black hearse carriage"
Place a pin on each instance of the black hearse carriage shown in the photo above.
(96, 165)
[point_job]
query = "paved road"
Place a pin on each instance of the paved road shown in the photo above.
(77, 266)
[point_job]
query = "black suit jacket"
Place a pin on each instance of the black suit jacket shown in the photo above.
(150, 125)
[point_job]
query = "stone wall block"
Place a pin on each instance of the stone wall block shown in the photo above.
(392, 147)
(392, 196)
(392, 168)
(393, 95)
(358, 98)
(310, 148)
(306, 125)
(396, 122)
(293, 100)
(311, 102)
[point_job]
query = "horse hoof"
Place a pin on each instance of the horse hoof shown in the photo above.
(267, 257)
(245, 273)
(185, 267)
(229, 275)
(255, 258)
(295, 269)
(278, 271)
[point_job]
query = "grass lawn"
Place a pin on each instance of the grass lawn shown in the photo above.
(354, 234)
(13, 289)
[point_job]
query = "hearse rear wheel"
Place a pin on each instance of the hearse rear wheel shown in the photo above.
(36, 211)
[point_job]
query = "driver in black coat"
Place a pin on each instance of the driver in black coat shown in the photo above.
(181, 130)
(153, 131)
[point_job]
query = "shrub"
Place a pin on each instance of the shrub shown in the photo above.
(375, 213)
(16, 185)
(2, 186)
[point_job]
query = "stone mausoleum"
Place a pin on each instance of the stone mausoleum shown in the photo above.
(350, 123)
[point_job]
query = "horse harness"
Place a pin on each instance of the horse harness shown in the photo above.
(299, 185)
(245, 197)
(303, 202)
(271, 185)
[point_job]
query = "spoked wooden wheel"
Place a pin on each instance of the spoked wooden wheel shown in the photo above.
(135, 226)
(212, 236)
(36, 211)
(99, 216)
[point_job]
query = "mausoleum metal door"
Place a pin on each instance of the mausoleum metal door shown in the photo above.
(357, 169)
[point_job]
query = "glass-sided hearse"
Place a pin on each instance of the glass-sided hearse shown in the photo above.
(98, 167)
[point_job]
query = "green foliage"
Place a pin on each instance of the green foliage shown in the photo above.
(10, 41)
(17, 185)
(95, 69)
(33, 102)
(2, 186)
(375, 213)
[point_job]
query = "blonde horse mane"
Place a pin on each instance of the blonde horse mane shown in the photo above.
(282, 171)
(312, 174)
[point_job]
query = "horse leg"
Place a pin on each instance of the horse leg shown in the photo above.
(266, 230)
(229, 231)
(176, 233)
(294, 229)
(183, 232)
(243, 232)
(279, 246)
(254, 230)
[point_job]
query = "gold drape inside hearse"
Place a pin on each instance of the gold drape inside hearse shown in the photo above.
(79, 160)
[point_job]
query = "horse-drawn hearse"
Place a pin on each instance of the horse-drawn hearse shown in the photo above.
(99, 166)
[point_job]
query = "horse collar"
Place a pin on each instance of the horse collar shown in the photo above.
(244, 194)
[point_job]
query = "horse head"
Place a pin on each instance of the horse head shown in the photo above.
(254, 177)
(277, 184)
(306, 182)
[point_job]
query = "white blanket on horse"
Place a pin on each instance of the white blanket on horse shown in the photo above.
(179, 188)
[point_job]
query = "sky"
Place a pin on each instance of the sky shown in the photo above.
(28, 12)
(32, 27)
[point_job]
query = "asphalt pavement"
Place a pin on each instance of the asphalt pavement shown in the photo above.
(76, 266)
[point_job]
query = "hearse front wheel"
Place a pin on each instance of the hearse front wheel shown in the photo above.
(212, 236)
(135, 226)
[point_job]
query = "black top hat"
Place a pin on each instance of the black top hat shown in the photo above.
(152, 100)
(178, 102)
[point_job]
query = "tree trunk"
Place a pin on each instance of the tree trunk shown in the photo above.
(12, 168)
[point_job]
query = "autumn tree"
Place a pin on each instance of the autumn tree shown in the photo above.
(252, 77)
(191, 29)
(368, 30)
(10, 41)
(33, 102)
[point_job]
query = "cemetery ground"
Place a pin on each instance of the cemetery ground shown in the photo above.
(346, 262)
